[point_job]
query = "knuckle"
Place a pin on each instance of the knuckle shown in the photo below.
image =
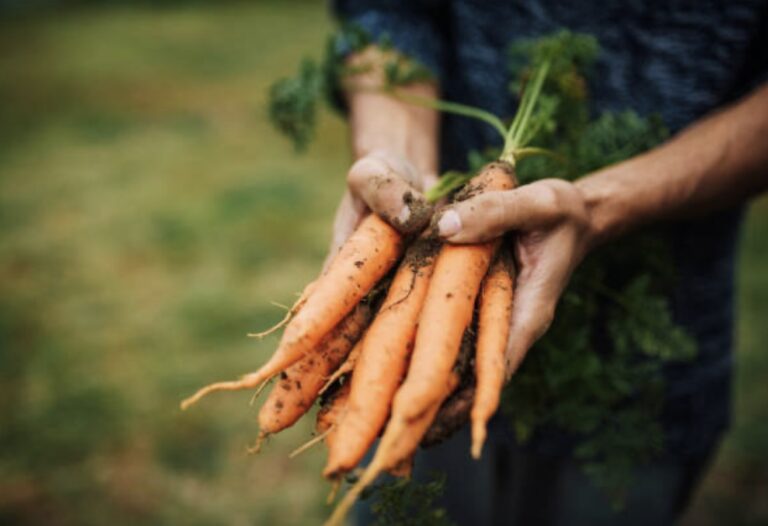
(487, 213)
(363, 170)
(497, 210)
(549, 198)
(562, 200)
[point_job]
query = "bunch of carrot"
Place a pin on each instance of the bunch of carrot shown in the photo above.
(385, 328)
(391, 370)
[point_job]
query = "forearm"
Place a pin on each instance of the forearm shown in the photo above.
(714, 163)
(378, 121)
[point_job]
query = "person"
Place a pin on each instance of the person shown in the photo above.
(702, 66)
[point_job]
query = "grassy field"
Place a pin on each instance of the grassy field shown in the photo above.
(148, 216)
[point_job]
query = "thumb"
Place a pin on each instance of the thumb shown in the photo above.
(488, 215)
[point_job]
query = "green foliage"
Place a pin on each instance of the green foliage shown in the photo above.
(293, 101)
(605, 140)
(614, 137)
(564, 95)
(293, 104)
(597, 373)
(404, 502)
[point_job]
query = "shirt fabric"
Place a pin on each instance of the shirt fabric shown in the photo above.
(679, 59)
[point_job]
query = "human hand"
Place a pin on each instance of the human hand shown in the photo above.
(387, 184)
(552, 234)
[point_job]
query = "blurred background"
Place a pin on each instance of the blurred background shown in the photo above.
(148, 217)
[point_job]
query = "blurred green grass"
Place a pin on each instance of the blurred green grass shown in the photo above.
(148, 216)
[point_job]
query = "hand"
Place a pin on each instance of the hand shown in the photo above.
(388, 185)
(552, 230)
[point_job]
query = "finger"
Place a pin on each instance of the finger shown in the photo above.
(350, 213)
(542, 279)
(489, 215)
(385, 189)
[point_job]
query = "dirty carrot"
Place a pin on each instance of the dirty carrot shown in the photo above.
(288, 315)
(397, 446)
(449, 304)
(299, 385)
(327, 419)
(362, 261)
(345, 368)
(383, 359)
(495, 312)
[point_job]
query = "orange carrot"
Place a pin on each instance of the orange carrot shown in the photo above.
(299, 385)
(383, 359)
(449, 305)
(396, 447)
(327, 418)
(327, 422)
(288, 315)
(404, 469)
(447, 311)
(345, 368)
(331, 413)
(362, 261)
(494, 316)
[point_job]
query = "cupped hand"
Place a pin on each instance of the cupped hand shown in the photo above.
(551, 226)
(389, 185)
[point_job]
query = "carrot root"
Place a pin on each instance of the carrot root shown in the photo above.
(256, 447)
(383, 359)
(334, 491)
(258, 391)
(346, 367)
(248, 381)
(370, 474)
(479, 433)
(288, 315)
(311, 442)
(338, 373)
(495, 311)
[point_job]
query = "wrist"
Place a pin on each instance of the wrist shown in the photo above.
(379, 122)
(607, 211)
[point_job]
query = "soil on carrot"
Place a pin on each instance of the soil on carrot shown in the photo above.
(453, 415)
(421, 212)
(419, 255)
(472, 189)
(421, 252)
(454, 412)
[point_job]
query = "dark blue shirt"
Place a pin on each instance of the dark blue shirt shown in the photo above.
(681, 59)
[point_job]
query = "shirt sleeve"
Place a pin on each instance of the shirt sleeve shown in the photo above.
(411, 26)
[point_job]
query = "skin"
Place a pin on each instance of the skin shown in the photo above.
(717, 162)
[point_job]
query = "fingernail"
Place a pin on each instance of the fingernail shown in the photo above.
(404, 215)
(449, 224)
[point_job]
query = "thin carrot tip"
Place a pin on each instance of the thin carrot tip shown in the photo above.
(256, 447)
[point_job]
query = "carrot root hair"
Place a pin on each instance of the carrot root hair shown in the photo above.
(338, 373)
(335, 485)
(311, 442)
(291, 312)
(249, 381)
(256, 447)
(258, 391)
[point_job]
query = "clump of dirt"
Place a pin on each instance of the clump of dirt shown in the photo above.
(421, 213)
(421, 252)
